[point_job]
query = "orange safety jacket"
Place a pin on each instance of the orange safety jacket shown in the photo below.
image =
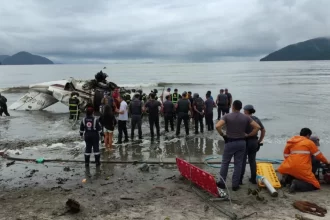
(298, 161)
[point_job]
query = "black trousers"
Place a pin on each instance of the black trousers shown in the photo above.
(154, 121)
(198, 119)
(227, 110)
(169, 118)
(185, 118)
(92, 142)
(122, 129)
(222, 110)
(136, 120)
(250, 153)
(209, 121)
(4, 109)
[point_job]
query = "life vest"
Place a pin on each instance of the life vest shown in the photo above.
(298, 162)
(175, 98)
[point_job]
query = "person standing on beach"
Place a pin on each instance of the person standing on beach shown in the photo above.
(209, 105)
(252, 145)
(235, 142)
(198, 109)
(136, 109)
(108, 122)
(122, 121)
(153, 108)
(90, 130)
(168, 111)
(183, 107)
(222, 103)
(230, 99)
(3, 105)
(166, 93)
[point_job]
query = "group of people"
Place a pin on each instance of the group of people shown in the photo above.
(302, 157)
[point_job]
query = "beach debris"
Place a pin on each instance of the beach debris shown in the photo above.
(167, 218)
(310, 208)
(83, 181)
(67, 169)
(300, 217)
(170, 178)
(31, 173)
(40, 160)
(255, 192)
(61, 180)
(10, 163)
(135, 162)
(73, 205)
(144, 167)
(206, 208)
(126, 198)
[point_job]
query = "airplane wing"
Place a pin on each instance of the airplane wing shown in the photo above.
(33, 100)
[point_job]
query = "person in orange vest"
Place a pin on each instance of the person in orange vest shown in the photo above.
(297, 164)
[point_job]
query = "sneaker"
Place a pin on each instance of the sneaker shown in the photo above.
(126, 141)
(292, 187)
(253, 181)
(119, 142)
(221, 185)
(235, 188)
(196, 132)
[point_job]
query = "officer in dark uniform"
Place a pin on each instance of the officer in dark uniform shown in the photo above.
(152, 107)
(198, 108)
(127, 97)
(168, 112)
(3, 106)
(182, 108)
(74, 106)
(175, 98)
(90, 130)
(135, 109)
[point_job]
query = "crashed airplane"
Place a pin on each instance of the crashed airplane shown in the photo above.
(43, 95)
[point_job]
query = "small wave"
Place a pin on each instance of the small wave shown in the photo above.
(303, 83)
(16, 89)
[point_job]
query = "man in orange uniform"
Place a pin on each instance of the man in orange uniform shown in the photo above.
(298, 162)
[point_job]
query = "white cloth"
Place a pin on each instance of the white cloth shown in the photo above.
(166, 93)
(123, 107)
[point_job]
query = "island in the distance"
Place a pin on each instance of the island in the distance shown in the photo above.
(314, 49)
(23, 58)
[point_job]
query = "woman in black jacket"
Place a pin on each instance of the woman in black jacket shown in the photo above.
(108, 121)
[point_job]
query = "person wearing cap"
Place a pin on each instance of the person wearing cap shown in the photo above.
(3, 105)
(230, 99)
(211, 97)
(297, 165)
(166, 93)
(183, 106)
(252, 145)
(198, 109)
(90, 130)
(235, 142)
(168, 111)
(74, 106)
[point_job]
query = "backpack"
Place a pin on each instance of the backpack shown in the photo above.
(199, 104)
(222, 99)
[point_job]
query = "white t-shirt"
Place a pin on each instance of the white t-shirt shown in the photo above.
(123, 107)
(166, 93)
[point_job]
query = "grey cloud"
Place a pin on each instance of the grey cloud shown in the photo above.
(185, 30)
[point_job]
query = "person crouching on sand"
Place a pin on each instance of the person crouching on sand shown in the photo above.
(298, 162)
(108, 121)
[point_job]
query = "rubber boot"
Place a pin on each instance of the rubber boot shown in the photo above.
(97, 160)
(87, 160)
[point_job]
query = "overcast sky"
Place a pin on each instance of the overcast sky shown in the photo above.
(79, 31)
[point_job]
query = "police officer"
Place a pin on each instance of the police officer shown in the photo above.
(90, 130)
(135, 109)
(152, 106)
(182, 108)
(175, 98)
(74, 106)
(168, 111)
(198, 107)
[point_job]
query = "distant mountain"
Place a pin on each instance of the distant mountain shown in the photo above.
(2, 57)
(25, 58)
(314, 49)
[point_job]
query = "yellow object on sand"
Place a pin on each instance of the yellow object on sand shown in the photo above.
(267, 170)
